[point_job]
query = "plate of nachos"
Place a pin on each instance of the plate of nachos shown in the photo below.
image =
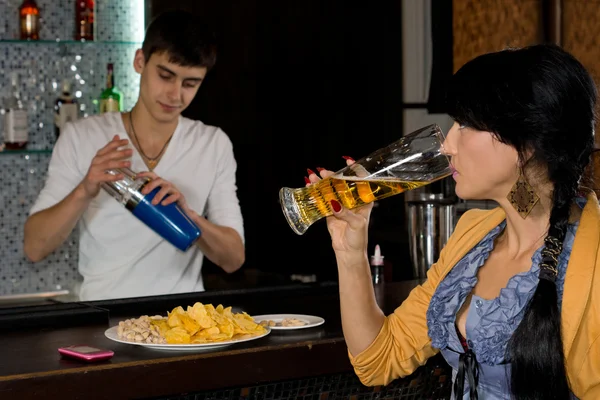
(199, 327)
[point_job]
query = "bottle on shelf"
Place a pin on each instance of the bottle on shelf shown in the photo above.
(15, 118)
(65, 108)
(84, 19)
(29, 16)
(111, 97)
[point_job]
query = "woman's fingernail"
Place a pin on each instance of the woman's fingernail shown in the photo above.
(337, 207)
(310, 172)
(306, 180)
(348, 158)
(320, 169)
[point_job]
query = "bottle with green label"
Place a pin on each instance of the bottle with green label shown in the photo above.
(111, 98)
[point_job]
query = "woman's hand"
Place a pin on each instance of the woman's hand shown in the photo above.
(348, 228)
(362, 319)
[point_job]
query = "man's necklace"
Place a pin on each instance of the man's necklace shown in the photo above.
(152, 161)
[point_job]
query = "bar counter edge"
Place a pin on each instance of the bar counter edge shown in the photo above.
(32, 368)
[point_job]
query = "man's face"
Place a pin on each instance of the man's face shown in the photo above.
(166, 89)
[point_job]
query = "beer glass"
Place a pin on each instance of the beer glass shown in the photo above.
(411, 162)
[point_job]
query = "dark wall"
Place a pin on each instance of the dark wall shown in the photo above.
(299, 85)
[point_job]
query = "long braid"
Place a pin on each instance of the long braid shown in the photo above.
(536, 349)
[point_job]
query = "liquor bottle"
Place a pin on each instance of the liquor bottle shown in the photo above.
(15, 118)
(110, 99)
(65, 108)
(170, 221)
(29, 15)
(84, 19)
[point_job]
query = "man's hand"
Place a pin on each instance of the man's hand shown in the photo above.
(167, 194)
(108, 157)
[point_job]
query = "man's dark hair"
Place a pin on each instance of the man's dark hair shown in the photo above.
(187, 40)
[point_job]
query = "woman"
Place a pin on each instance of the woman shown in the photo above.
(513, 302)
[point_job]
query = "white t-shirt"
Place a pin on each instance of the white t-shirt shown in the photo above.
(119, 256)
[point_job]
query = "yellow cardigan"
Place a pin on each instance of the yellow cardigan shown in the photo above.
(403, 343)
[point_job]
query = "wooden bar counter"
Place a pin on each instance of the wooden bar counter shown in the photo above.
(31, 367)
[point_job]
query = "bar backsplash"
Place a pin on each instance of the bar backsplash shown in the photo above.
(41, 66)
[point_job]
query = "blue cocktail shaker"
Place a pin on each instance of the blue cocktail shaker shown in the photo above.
(170, 221)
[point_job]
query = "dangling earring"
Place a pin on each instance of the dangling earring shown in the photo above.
(522, 196)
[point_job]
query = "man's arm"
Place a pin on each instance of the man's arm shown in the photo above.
(220, 244)
(221, 240)
(47, 229)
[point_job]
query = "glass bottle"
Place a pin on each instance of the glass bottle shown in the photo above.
(111, 97)
(84, 19)
(65, 108)
(15, 118)
(29, 15)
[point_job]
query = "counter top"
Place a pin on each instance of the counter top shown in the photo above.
(32, 367)
(39, 298)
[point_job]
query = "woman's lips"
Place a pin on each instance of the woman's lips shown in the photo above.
(454, 171)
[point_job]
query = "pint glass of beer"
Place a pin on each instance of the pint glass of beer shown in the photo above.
(411, 162)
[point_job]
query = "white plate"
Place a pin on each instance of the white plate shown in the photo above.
(311, 320)
(112, 334)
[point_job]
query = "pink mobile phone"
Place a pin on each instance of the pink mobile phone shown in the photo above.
(86, 353)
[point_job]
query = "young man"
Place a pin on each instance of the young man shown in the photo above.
(193, 163)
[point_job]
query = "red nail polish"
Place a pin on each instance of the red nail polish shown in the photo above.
(337, 207)
(307, 181)
(310, 171)
(320, 169)
(347, 158)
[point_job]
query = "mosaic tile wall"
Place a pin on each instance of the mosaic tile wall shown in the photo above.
(22, 177)
(41, 67)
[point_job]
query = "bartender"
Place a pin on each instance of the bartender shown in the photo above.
(191, 162)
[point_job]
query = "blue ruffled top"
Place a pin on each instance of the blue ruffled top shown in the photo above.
(490, 323)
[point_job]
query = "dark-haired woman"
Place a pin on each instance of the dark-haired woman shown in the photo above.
(513, 302)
